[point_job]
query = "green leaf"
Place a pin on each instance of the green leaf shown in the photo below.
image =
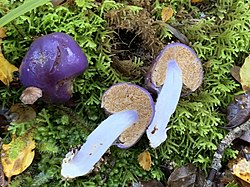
(25, 7)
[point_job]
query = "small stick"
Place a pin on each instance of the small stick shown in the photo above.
(216, 164)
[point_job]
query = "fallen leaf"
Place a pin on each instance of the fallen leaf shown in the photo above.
(235, 72)
(21, 113)
(3, 183)
(4, 123)
(144, 160)
(6, 70)
(186, 176)
(245, 75)
(151, 183)
(242, 170)
(178, 34)
(2, 33)
(166, 13)
(196, 1)
(17, 155)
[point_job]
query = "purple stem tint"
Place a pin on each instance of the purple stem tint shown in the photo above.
(166, 104)
(98, 142)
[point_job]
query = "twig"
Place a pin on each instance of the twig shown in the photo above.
(216, 164)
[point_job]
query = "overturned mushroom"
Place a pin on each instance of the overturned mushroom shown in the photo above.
(50, 65)
(177, 66)
(79, 163)
(126, 96)
(165, 106)
(188, 62)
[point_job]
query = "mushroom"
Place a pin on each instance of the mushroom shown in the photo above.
(176, 66)
(79, 163)
(50, 65)
(188, 62)
(127, 96)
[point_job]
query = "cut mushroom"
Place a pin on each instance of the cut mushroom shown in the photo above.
(188, 62)
(79, 163)
(166, 104)
(126, 96)
(176, 70)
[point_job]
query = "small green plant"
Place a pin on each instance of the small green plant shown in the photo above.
(20, 10)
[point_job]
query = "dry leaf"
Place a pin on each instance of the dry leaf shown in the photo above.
(21, 113)
(187, 175)
(2, 33)
(196, 1)
(166, 13)
(245, 75)
(235, 72)
(6, 70)
(242, 170)
(144, 160)
(17, 155)
(3, 183)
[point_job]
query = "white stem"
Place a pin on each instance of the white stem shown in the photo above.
(98, 142)
(30, 95)
(166, 104)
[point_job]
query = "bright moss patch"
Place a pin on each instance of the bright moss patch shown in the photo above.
(219, 34)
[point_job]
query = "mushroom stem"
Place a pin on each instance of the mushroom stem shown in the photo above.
(30, 95)
(82, 162)
(166, 104)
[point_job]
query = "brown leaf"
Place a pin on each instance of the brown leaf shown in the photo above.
(17, 155)
(144, 160)
(3, 183)
(186, 176)
(6, 70)
(235, 72)
(242, 170)
(196, 1)
(166, 13)
(2, 33)
(21, 113)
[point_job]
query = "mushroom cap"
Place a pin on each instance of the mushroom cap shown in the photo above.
(187, 60)
(127, 96)
(51, 63)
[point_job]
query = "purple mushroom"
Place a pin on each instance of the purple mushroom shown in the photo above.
(78, 163)
(50, 65)
(177, 66)
(127, 96)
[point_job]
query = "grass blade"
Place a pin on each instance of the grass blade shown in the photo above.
(22, 9)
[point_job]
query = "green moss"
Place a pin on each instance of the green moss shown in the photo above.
(221, 39)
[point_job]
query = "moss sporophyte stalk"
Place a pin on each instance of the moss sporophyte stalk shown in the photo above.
(110, 32)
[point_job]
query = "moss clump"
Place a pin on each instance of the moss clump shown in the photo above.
(219, 34)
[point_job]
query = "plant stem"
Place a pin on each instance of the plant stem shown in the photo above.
(229, 138)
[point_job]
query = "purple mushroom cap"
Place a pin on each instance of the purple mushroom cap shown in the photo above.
(127, 96)
(187, 60)
(51, 63)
